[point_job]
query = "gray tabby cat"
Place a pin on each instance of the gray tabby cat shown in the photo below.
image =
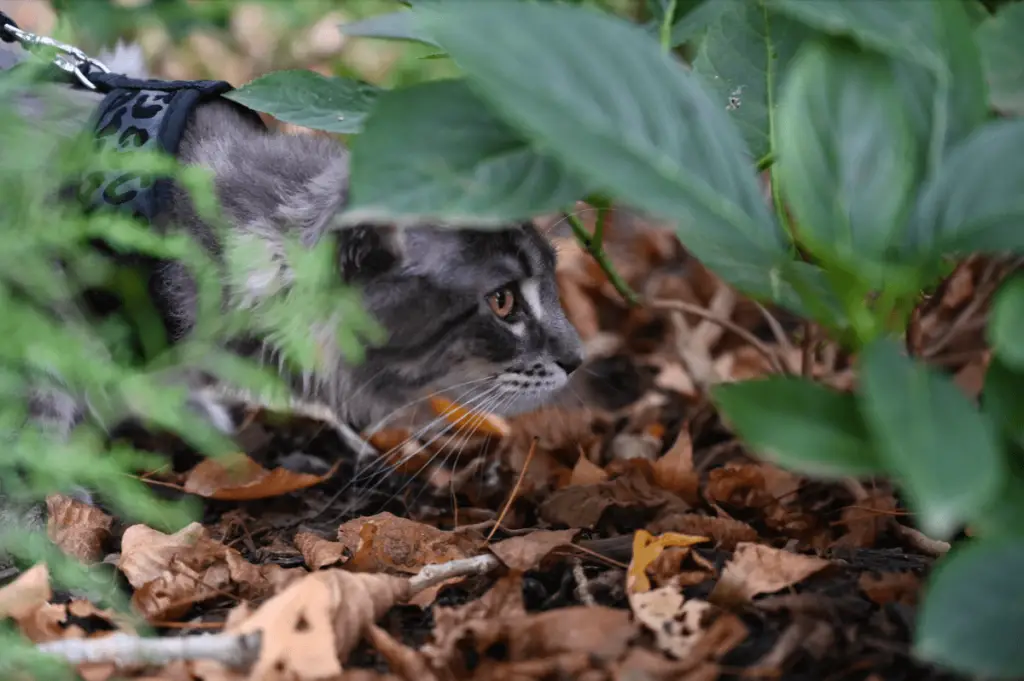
(467, 312)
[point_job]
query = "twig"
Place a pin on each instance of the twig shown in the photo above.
(922, 542)
(582, 585)
(780, 336)
(515, 490)
(727, 324)
(666, 27)
(592, 244)
(432, 575)
(238, 651)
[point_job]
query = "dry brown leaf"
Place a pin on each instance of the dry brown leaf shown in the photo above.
(490, 424)
(686, 629)
(239, 478)
(527, 551)
(758, 569)
(388, 543)
(586, 472)
(78, 529)
(319, 553)
(171, 572)
(674, 470)
(309, 628)
(29, 592)
(725, 532)
(891, 587)
(583, 506)
(867, 520)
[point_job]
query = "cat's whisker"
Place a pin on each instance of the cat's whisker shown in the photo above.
(384, 468)
(394, 414)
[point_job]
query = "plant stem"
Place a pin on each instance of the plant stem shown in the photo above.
(666, 27)
(765, 162)
(593, 244)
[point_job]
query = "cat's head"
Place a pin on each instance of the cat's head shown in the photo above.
(472, 315)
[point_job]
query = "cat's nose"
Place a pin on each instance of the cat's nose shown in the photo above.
(569, 361)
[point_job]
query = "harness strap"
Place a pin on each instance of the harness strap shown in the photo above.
(148, 115)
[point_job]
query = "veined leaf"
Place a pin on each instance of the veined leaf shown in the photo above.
(626, 117)
(454, 161)
(308, 99)
(1002, 54)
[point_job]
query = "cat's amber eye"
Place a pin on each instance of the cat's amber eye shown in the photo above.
(502, 302)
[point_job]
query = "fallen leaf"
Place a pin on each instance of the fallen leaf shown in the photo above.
(239, 478)
(319, 553)
(408, 662)
(586, 472)
(646, 548)
(491, 424)
(309, 628)
(388, 543)
(30, 591)
(758, 569)
(725, 532)
(867, 520)
(686, 629)
(78, 529)
(674, 469)
(583, 506)
(527, 551)
(891, 587)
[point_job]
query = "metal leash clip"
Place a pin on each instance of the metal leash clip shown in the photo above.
(68, 58)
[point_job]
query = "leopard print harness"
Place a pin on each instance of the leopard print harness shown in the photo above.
(143, 115)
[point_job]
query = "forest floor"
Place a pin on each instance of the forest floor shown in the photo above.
(642, 541)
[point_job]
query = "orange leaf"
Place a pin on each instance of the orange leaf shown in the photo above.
(647, 547)
(488, 424)
(243, 479)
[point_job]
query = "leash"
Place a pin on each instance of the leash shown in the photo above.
(69, 58)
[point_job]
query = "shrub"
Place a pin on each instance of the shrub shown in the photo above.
(876, 119)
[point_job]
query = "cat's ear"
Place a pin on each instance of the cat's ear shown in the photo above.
(367, 251)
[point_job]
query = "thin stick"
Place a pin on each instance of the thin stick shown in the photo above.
(432, 575)
(727, 324)
(238, 651)
(807, 351)
(515, 490)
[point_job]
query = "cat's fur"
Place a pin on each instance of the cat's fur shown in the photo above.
(426, 285)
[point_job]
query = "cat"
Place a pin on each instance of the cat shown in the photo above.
(470, 314)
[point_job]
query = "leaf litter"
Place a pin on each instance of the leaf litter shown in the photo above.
(643, 542)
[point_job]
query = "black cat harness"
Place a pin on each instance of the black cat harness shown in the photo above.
(135, 114)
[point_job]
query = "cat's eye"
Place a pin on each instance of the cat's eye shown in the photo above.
(502, 302)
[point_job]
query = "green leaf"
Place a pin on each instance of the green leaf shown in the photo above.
(627, 117)
(742, 58)
(1002, 53)
(801, 425)
(399, 25)
(845, 151)
(972, 617)
(308, 99)
(1006, 323)
(974, 203)
(453, 160)
(940, 448)
(940, 64)
(697, 20)
(1003, 398)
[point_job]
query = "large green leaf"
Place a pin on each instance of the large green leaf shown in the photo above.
(400, 25)
(699, 17)
(452, 160)
(1006, 323)
(938, 61)
(846, 154)
(972, 617)
(941, 449)
(308, 99)
(974, 203)
(1003, 398)
(1002, 52)
(742, 57)
(627, 117)
(801, 425)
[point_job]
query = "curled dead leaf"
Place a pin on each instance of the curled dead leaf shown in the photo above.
(758, 569)
(78, 529)
(309, 628)
(725, 532)
(585, 472)
(239, 478)
(30, 591)
(674, 470)
(388, 543)
(319, 553)
(583, 506)
(646, 548)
